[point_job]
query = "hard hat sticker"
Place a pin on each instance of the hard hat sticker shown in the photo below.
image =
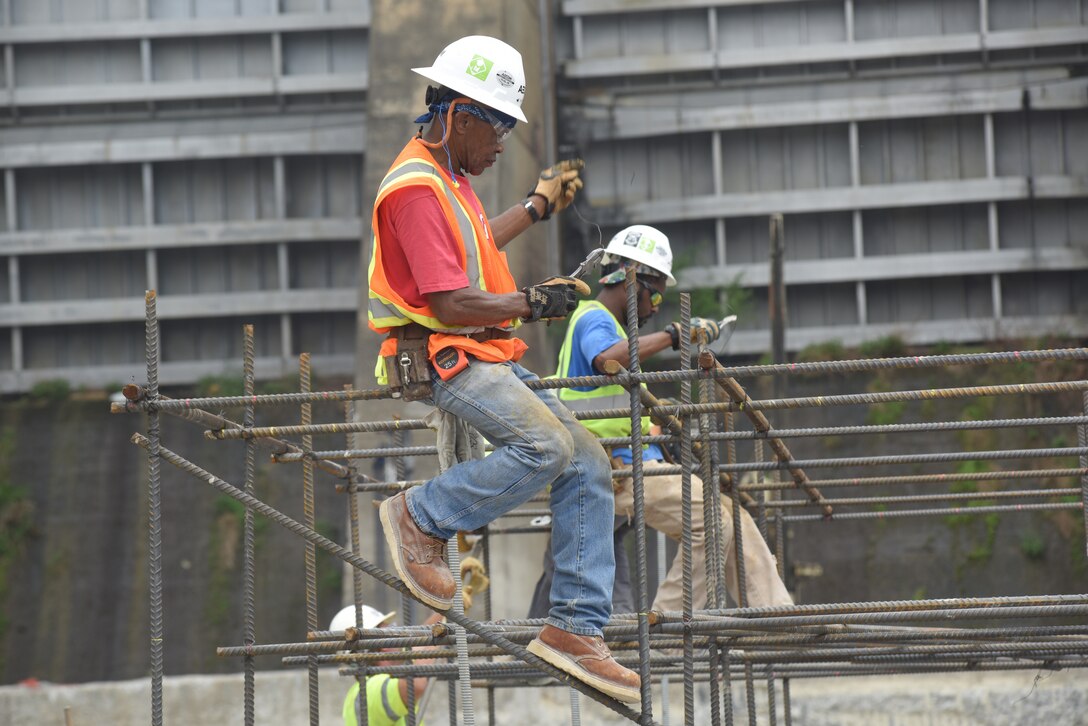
(479, 67)
(505, 79)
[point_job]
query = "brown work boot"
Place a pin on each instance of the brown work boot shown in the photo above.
(588, 659)
(420, 559)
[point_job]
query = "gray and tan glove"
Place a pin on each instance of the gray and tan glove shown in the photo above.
(703, 330)
(558, 184)
(554, 298)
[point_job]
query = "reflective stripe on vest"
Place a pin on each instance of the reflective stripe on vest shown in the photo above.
(609, 396)
(385, 308)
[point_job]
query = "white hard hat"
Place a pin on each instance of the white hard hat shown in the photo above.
(645, 245)
(484, 69)
(372, 618)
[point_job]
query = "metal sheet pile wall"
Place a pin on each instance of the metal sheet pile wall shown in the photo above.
(209, 149)
(929, 157)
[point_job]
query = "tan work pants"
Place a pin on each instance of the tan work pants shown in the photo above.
(664, 512)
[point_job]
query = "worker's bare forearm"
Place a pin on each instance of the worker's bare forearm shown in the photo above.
(513, 222)
(471, 306)
(648, 345)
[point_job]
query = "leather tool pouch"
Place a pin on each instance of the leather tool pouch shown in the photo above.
(409, 370)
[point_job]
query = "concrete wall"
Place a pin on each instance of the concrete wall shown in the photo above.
(957, 699)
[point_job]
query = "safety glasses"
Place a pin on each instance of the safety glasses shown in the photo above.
(655, 295)
(502, 130)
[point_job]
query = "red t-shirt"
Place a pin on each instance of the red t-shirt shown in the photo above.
(419, 251)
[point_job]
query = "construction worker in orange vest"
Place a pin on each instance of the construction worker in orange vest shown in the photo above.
(440, 288)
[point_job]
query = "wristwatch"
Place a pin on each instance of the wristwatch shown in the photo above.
(531, 209)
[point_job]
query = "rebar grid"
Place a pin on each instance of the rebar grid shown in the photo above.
(716, 644)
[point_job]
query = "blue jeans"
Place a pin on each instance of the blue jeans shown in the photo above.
(537, 442)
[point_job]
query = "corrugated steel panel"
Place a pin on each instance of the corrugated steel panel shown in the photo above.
(909, 231)
(1046, 293)
(82, 277)
(218, 269)
(82, 346)
(80, 196)
(912, 301)
(323, 186)
(327, 333)
(218, 339)
(180, 129)
(882, 125)
(213, 190)
(324, 265)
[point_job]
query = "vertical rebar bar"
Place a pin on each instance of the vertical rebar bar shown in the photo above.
(659, 541)
(738, 556)
(685, 497)
(780, 556)
(249, 637)
(787, 712)
(464, 677)
(310, 520)
(711, 543)
(407, 609)
(575, 708)
(154, 508)
(364, 705)
(633, 293)
(356, 548)
(1082, 441)
(772, 716)
(485, 546)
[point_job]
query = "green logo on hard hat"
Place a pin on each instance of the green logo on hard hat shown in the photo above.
(479, 67)
(647, 244)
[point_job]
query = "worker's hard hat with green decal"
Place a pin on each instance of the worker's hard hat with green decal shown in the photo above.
(484, 69)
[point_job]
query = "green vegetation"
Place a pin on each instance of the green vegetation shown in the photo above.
(884, 414)
(53, 390)
(330, 571)
(1032, 545)
(890, 346)
(220, 386)
(16, 521)
(828, 350)
(730, 299)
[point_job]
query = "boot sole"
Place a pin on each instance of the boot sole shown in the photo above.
(563, 663)
(392, 541)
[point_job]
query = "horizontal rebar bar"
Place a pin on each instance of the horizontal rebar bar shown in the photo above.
(907, 499)
(1001, 423)
(853, 399)
(896, 513)
(379, 452)
(932, 361)
(928, 478)
(669, 409)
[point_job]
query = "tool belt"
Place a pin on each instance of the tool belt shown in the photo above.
(409, 370)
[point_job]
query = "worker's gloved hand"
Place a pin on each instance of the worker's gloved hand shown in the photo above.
(702, 330)
(474, 580)
(554, 298)
(558, 184)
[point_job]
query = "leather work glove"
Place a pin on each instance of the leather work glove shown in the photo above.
(703, 330)
(558, 184)
(474, 580)
(554, 298)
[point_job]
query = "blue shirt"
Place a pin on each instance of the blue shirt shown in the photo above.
(594, 333)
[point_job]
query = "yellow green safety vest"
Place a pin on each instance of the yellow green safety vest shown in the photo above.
(610, 396)
(384, 706)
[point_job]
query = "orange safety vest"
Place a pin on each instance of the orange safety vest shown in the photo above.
(483, 263)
